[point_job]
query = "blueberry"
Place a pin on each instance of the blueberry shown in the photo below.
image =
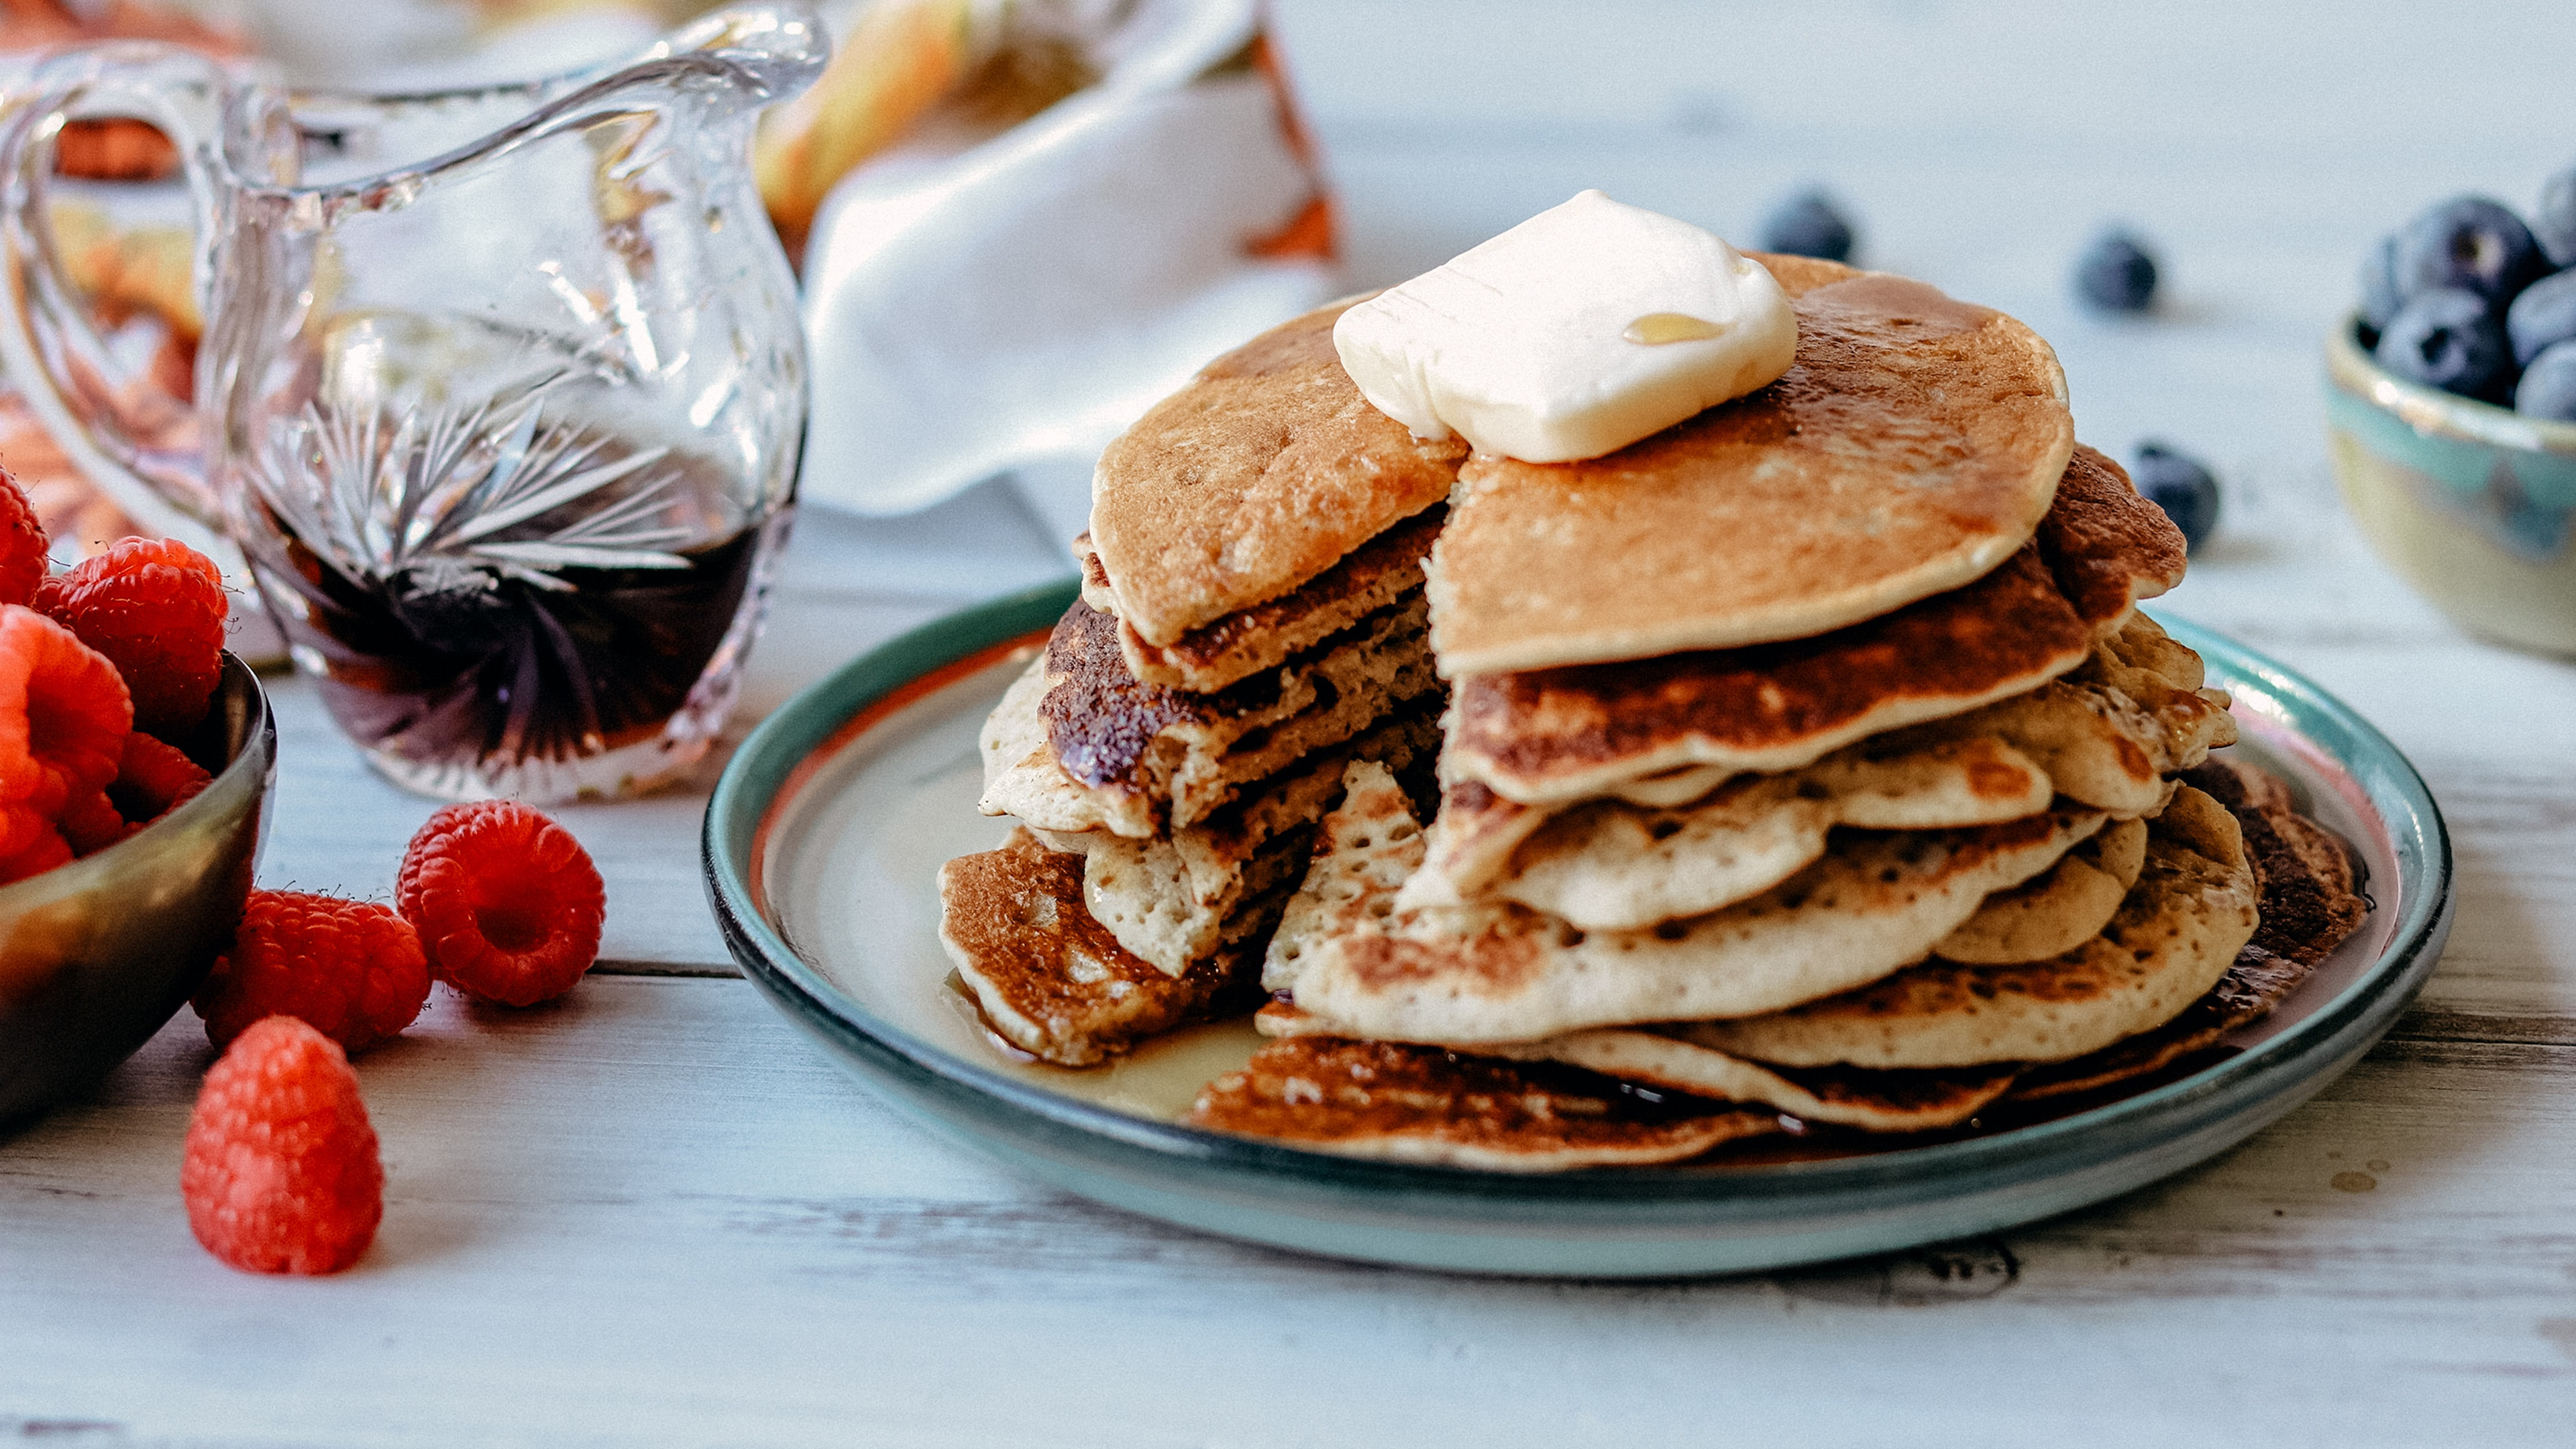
(2548, 388)
(2379, 299)
(1808, 225)
(2181, 486)
(2116, 274)
(2553, 225)
(2470, 243)
(2543, 314)
(2449, 339)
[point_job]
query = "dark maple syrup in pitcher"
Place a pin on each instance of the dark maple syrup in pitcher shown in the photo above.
(451, 672)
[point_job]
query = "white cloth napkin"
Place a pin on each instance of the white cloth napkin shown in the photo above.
(1010, 307)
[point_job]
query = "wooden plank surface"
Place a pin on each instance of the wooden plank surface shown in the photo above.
(655, 1214)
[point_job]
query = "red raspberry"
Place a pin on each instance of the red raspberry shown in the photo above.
(352, 969)
(154, 779)
(91, 823)
(47, 850)
(156, 607)
(23, 544)
(506, 902)
(64, 717)
(281, 1173)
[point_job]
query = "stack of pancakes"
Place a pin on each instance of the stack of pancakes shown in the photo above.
(1807, 758)
(1252, 620)
(1806, 765)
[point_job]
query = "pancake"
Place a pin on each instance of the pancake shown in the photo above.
(1021, 777)
(2311, 905)
(2113, 745)
(1364, 850)
(1049, 979)
(1415, 1104)
(1264, 636)
(1172, 900)
(2311, 888)
(1844, 1097)
(1265, 471)
(1184, 755)
(1911, 448)
(2193, 909)
(1613, 863)
(1607, 865)
(1554, 736)
(2056, 912)
(1875, 902)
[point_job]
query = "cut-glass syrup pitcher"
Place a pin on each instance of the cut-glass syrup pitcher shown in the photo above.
(500, 392)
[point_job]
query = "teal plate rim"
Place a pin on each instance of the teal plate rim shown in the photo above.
(1093, 1148)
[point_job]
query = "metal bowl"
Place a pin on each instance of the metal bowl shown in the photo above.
(97, 954)
(2472, 504)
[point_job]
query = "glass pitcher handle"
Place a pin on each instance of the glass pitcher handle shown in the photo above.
(95, 406)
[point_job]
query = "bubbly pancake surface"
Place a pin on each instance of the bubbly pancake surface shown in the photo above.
(1913, 445)
(1048, 978)
(1262, 473)
(2193, 909)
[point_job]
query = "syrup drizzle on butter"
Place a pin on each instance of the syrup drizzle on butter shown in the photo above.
(1657, 328)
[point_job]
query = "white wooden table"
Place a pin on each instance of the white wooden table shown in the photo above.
(654, 1214)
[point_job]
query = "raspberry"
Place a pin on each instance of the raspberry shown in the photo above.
(154, 779)
(281, 1173)
(23, 544)
(91, 823)
(45, 851)
(64, 717)
(507, 903)
(351, 969)
(156, 607)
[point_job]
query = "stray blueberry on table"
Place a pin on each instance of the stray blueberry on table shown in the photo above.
(2180, 485)
(2449, 338)
(2116, 274)
(2545, 313)
(1808, 225)
(2548, 387)
(2469, 243)
(2553, 222)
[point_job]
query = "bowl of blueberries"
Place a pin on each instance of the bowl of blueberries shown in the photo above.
(2451, 412)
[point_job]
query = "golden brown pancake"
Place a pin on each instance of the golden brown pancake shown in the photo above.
(2311, 905)
(1172, 900)
(1607, 865)
(1553, 736)
(2057, 912)
(1842, 1096)
(1266, 635)
(1049, 979)
(1423, 1105)
(1180, 755)
(1265, 471)
(1876, 901)
(2311, 897)
(2193, 909)
(1364, 850)
(1911, 448)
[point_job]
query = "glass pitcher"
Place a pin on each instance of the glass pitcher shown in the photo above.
(500, 391)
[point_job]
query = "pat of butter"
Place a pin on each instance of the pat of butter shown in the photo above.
(1577, 332)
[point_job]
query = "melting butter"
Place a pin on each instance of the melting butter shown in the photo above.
(1581, 330)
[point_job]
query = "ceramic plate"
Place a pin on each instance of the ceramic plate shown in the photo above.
(829, 826)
